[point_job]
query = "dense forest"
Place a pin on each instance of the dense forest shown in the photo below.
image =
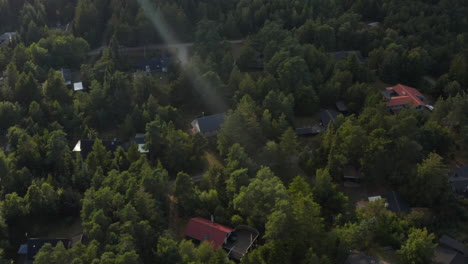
(268, 65)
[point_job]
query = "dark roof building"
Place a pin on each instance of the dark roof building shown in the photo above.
(450, 251)
(208, 125)
(339, 55)
(85, 146)
(459, 181)
(205, 230)
(237, 242)
(341, 106)
(32, 247)
(308, 130)
(6, 38)
(327, 116)
(394, 202)
(140, 140)
(67, 76)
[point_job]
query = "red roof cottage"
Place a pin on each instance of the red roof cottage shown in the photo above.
(400, 96)
(202, 229)
(237, 242)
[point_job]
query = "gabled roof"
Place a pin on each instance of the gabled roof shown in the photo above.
(459, 180)
(7, 36)
(405, 95)
(140, 140)
(445, 256)
(85, 146)
(327, 116)
(35, 244)
(395, 202)
(308, 130)
(451, 243)
(204, 230)
(210, 123)
(67, 76)
(461, 172)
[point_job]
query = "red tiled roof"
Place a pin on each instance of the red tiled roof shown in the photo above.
(399, 100)
(203, 229)
(406, 95)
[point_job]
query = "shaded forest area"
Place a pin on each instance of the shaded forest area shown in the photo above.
(132, 206)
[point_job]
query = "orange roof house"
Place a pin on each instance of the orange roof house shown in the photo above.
(203, 229)
(399, 96)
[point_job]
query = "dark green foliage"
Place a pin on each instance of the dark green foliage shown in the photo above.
(275, 74)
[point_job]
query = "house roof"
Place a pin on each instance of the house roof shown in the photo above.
(461, 172)
(204, 230)
(35, 244)
(308, 130)
(6, 36)
(405, 95)
(85, 146)
(140, 140)
(459, 185)
(395, 202)
(78, 86)
(444, 256)
(451, 243)
(345, 54)
(67, 76)
(459, 180)
(341, 106)
(210, 123)
(359, 258)
(327, 116)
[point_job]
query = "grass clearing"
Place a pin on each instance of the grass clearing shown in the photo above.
(213, 159)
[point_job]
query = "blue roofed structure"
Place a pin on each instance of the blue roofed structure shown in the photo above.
(208, 125)
(33, 245)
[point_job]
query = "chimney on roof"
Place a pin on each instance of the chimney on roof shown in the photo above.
(212, 219)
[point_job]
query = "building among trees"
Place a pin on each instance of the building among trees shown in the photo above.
(237, 242)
